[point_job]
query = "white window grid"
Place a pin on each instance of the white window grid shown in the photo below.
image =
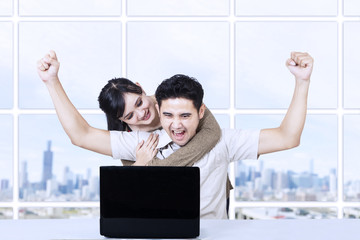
(232, 19)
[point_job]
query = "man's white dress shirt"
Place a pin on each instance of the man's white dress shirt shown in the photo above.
(233, 145)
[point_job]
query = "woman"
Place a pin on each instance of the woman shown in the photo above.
(127, 108)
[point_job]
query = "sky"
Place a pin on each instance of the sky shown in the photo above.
(260, 64)
(6, 7)
(351, 70)
(6, 65)
(294, 8)
(178, 7)
(90, 53)
(85, 64)
(70, 8)
(47, 127)
(318, 143)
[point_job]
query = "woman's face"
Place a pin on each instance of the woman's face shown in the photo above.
(139, 112)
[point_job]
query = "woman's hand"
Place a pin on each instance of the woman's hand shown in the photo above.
(48, 67)
(145, 151)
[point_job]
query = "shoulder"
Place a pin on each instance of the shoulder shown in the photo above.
(240, 144)
(227, 132)
(240, 136)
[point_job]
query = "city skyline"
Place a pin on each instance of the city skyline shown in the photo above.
(76, 158)
(266, 184)
(53, 186)
(70, 187)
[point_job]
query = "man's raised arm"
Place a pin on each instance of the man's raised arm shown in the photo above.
(288, 134)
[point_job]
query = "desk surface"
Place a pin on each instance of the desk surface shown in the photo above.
(210, 229)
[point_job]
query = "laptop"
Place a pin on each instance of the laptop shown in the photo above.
(149, 202)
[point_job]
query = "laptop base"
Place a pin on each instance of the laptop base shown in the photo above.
(149, 228)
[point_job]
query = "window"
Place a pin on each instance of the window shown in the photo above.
(305, 173)
(236, 48)
(6, 157)
(286, 8)
(6, 8)
(69, 8)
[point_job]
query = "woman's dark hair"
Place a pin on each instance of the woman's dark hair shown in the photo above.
(111, 101)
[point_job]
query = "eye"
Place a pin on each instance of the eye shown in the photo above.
(130, 116)
(140, 102)
(185, 115)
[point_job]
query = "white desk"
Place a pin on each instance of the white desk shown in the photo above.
(337, 229)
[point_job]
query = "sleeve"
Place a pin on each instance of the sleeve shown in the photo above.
(242, 144)
(127, 162)
(123, 144)
(208, 135)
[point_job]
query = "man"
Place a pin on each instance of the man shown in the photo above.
(180, 108)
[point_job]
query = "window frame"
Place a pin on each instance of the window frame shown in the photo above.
(231, 112)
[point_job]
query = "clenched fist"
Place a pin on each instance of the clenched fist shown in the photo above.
(300, 65)
(48, 67)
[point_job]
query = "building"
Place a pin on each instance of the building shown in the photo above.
(47, 165)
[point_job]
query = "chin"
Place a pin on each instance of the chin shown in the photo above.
(182, 143)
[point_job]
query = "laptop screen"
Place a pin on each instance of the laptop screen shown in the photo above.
(149, 192)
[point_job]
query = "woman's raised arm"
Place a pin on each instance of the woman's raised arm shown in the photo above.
(79, 131)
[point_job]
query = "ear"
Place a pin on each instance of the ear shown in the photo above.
(137, 83)
(202, 111)
(157, 108)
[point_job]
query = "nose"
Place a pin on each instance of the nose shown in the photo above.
(176, 123)
(140, 113)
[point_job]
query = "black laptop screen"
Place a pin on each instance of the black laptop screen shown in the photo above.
(149, 192)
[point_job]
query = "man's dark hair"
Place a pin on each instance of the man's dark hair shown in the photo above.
(180, 86)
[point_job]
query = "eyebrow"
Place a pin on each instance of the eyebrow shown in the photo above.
(182, 114)
(166, 113)
(136, 103)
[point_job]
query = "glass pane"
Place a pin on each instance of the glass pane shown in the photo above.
(305, 173)
(6, 213)
(58, 213)
(223, 120)
(6, 158)
(6, 8)
(285, 213)
(178, 7)
(70, 8)
(351, 7)
(89, 53)
(351, 64)
(6, 65)
(51, 168)
(351, 153)
(352, 213)
(286, 8)
(263, 81)
(197, 49)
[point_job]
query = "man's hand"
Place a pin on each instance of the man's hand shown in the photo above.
(145, 151)
(300, 65)
(48, 67)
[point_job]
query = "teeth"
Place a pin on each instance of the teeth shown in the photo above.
(176, 132)
(146, 116)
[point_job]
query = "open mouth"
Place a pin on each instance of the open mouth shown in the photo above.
(147, 116)
(178, 135)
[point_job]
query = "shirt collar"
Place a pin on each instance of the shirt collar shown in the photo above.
(164, 138)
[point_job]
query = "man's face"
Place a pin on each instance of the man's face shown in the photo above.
(180, 119)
